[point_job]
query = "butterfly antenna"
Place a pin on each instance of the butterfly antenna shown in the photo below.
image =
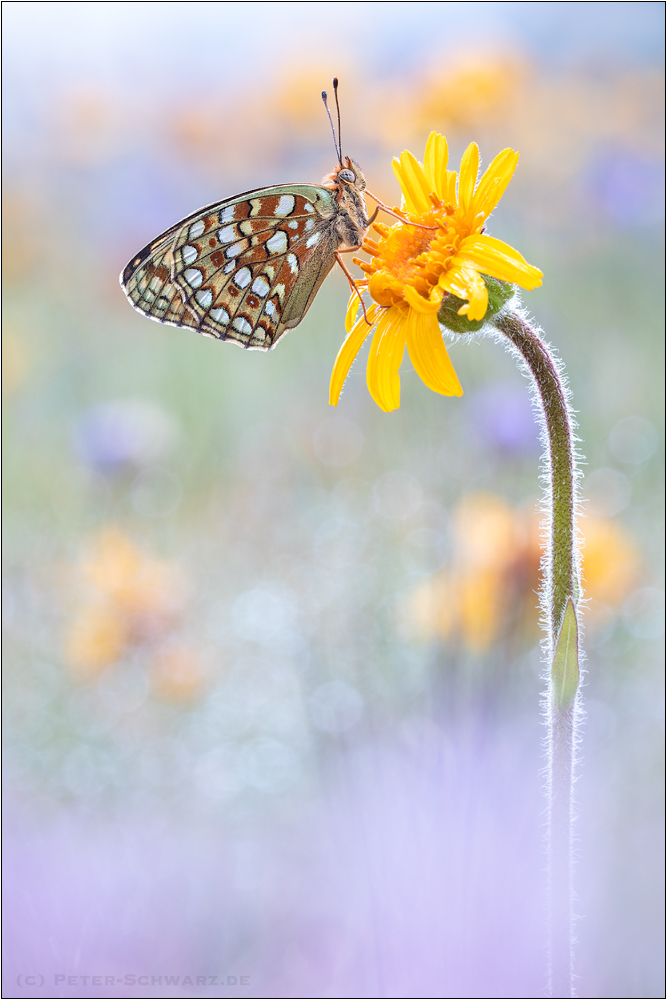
(333, 131)
(340, 141)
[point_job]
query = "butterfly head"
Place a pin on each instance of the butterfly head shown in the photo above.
(347, 175)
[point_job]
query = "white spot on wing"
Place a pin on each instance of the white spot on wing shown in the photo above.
(229, 267)
(308, 207)
(237, 248)
(193, 276)
(293, 263)
(242, 277)
(293, 224)
(312, 240)
(227, 214)
(309, 224)
(242, 325)
(285, 206)
(220, 315)
(277, 243)
(189, 254)
(204, 297)
(196, 229)
(269, 309)
(228, 234)
(260, 286)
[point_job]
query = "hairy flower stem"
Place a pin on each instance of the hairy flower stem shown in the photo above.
(560, 594)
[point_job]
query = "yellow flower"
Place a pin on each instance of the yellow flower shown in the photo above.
(487, 594)
(611, 561)
(176, 673)
(129, 599)
(148, 592)
(495, 558)
(414, 266)
(96, 638)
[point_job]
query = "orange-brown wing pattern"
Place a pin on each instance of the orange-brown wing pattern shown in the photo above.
(147, 282)
(243, 270)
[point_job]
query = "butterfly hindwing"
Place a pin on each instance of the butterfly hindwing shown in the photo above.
(243, 270)
(147, 282)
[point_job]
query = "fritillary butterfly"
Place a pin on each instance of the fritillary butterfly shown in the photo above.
(247, 269)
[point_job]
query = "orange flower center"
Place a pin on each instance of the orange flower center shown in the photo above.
(411, 255)
(402, 248)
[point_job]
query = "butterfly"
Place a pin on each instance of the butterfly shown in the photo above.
(247, 269)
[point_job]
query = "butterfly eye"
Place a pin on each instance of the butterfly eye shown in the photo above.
(347, 175)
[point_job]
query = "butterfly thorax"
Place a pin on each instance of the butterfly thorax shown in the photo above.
(348, 183)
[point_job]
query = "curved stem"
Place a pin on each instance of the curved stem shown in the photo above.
(561, 576)
(560, 594)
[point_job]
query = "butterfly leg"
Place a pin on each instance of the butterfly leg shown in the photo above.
(390, 211)
(353, 284)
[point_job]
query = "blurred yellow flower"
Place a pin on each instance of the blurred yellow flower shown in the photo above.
(611, 562)
(492, 554)
(96, 638)
(474, 92)
(490, 588)
(293, 94)
(129, 598)
(414, 267)
(148, 591)
(19, 215)
(176, 673)
(16, 360)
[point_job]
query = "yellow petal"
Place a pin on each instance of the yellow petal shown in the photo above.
(348, 352)
(468, 176)
(449, 187)
(385, 358)
(419, 303)
(385, 289)
(464, 282)
(494, 181)
(478, 297)
(413, 183)
(498, 259)
(352, 310)
(486, 244)
(435, 162)
(429, 355)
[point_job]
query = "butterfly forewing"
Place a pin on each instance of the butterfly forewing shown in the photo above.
(244, 270)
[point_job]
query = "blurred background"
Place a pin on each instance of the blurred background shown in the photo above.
(272, 670)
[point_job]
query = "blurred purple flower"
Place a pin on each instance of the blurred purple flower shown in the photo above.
(504, 419)
(124, 433)
(629, 188)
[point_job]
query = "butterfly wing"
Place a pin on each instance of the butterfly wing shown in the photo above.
(244, 270)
